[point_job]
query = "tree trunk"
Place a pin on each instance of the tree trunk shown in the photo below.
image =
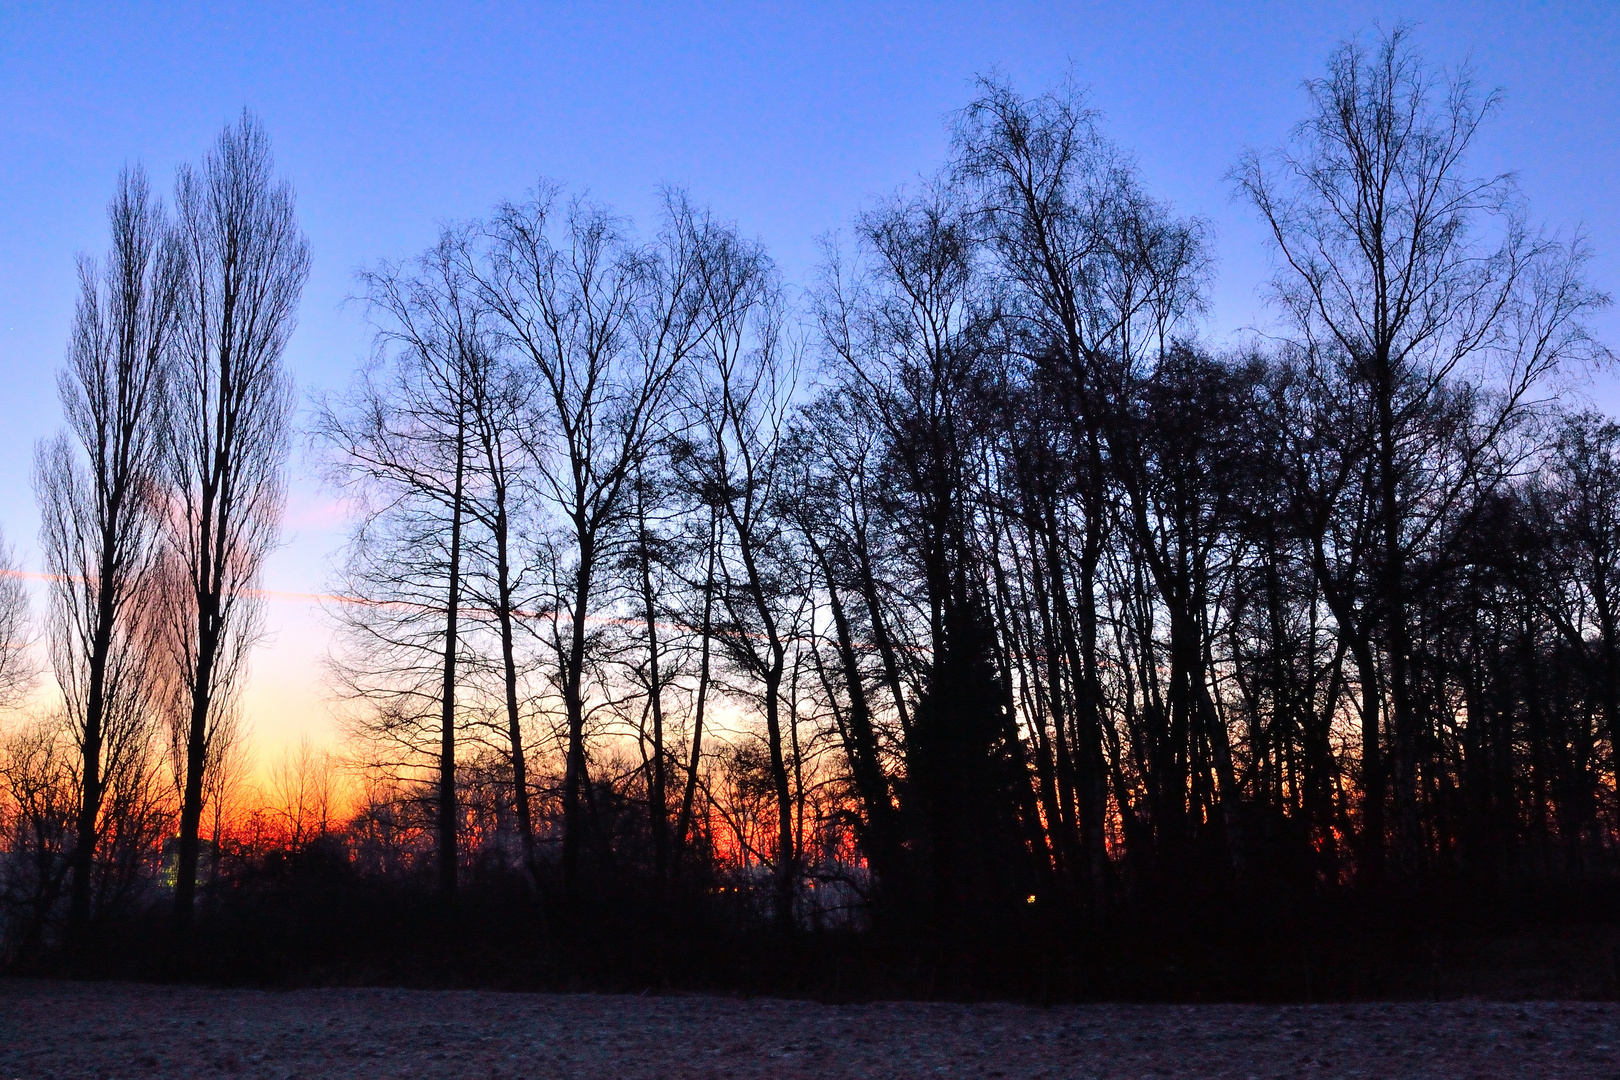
(91, 793)
(575, 777)
(706, 632)
(657, 809)
(447, 816)
(206, 592)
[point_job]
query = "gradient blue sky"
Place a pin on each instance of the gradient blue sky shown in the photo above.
(390, 119)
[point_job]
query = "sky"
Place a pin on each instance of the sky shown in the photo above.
(391, 120)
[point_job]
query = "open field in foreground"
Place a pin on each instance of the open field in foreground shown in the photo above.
(107, 1030)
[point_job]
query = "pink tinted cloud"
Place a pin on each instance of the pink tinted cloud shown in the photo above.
(310, 511)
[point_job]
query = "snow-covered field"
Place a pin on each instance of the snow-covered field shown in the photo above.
(107, 1030)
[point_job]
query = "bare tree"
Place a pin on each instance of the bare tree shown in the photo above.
(1098, 276)
(914, 341)
(649, 668)
(40, 802)
(497, 400)
(17, 669)
(830, 504)
(706, 543)
(230, 402)
(98, 489)
(605, 328)
(404, 445)
(36, 811)
(739, 418)
(226, 791)
(1412, 281)
(303, 793)
(1582, 488)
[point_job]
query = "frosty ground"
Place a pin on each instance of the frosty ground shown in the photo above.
(107, 1030)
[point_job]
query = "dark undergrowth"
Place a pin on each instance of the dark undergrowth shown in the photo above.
(310, 920)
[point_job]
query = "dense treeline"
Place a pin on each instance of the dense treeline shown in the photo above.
(965, 601)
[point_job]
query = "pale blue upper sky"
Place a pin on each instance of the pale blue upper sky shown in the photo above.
(392, 118)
